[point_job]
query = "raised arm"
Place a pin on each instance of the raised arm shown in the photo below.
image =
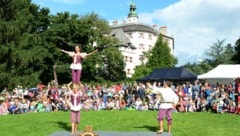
(91, 53)
(64, 51)
(85, 55)
(67, 52)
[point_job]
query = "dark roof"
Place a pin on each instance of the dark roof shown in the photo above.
(172, 74)
(132, 27)
(123, 39)
(138, 27)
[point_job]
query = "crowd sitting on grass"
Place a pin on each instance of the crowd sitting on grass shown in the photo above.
(195, 97)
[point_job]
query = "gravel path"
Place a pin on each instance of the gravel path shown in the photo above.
(103, 133)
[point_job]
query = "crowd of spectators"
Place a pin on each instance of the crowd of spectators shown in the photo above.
(195, 97)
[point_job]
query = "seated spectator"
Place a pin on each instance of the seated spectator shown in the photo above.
(116, 102)
(122, 105)
(180, 105)
(145, 106)
(25, 106)
(192, 107)
(33, 106)
(109, 105)
(138, 104)
(203, 104)
(220, 106)
(13, 109)
(40, 107)
(232, 107)
(238, 109)
(48, 105)
(100, 104)
(3, 107)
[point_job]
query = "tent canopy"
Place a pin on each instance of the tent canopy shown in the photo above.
(172, 74)
(222, 74)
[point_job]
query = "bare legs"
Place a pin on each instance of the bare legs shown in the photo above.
(75, 118)
(74, 127)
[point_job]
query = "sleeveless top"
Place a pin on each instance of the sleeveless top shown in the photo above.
(75, 101)
(77, 59)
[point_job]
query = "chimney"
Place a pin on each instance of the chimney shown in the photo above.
(163, 30)
(154, 26)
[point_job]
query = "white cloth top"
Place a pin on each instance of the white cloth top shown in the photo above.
(169, 97)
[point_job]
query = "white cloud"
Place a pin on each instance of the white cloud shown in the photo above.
(196, 24)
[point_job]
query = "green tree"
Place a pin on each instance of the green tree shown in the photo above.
(141, 71)
(236, 56)
(22, 46)
(111, 67)
(198, 68)
(160, 56)
(68, 30)
(219, 53)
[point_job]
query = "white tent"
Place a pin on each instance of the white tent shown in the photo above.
(222, 74)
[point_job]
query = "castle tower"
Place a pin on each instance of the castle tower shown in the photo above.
(132, 15)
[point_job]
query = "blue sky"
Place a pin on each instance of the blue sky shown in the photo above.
(194, 24)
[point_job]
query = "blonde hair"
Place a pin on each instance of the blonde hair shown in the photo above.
(75, 86)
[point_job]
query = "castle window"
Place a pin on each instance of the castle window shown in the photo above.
(128, 71)
(150, 37)
(149, 47)
(141, 35)
(130, 35)
(141, 47)
(126, 58)
(131, 59)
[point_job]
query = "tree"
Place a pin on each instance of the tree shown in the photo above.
(198, 68)
(141, 71)
(68, 30)
(111, 67)
(22, 46)
(219, 53)
(236, 56)
(160, 55)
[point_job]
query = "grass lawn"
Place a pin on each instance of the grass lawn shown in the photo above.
(184, 124)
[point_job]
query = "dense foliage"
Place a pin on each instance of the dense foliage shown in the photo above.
(158, 57)
(218, 53)
(31, 39)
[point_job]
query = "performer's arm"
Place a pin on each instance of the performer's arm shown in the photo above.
(64, 51)
(91, 53)
(67, 52)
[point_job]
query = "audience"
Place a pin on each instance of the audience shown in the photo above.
(196, 97)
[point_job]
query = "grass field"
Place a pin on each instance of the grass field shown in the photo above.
(184, 124)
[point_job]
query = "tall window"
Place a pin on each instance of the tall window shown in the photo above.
(149, 47)
(141, 35)
(128, 71)
(130, 35)
(126, 58)
(141, 46)
(150, 37)
(131, 59)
